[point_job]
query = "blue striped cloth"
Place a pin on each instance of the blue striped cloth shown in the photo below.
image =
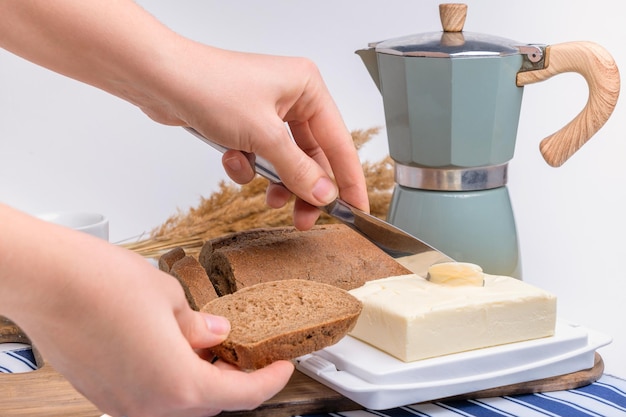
(16, 357)
(604, 398)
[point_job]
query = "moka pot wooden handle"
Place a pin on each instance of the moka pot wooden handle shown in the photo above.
(598, 68)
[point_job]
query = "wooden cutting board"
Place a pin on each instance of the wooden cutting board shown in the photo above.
(46, 393)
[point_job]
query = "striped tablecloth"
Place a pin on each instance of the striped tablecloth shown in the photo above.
(604, 398)
(16, 357)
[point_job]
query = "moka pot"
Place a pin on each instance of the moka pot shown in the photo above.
(452, 102)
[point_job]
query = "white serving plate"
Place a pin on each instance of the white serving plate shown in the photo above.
(378, 381)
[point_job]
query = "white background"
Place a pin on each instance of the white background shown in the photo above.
(67, 146)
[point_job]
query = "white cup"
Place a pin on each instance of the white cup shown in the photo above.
(92, 223)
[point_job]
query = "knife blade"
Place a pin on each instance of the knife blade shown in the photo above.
(415, 254)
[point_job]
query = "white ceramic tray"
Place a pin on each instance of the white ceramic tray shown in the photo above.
(378, 381)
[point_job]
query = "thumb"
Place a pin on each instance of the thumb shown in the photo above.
(205, 330)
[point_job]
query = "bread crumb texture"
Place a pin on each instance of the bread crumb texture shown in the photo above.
(281, 320)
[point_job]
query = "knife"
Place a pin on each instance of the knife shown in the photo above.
(415, 254)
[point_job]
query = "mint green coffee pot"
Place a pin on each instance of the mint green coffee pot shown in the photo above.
(452, 102)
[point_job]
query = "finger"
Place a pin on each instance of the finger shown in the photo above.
(253, 388)
(277, 195)
(304, 215)
(239, 166)
(203, 330)
(338, 146)
(305, 139)
(297, 170)
(329, 131)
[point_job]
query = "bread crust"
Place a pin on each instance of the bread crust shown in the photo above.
(332, 254)
(191, 276)
(170, 257)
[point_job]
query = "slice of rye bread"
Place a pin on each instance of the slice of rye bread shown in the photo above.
(170, 257)
(191, 276)
(332, 254)
(281, 320)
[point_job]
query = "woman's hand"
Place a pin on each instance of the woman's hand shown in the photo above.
(117, 328)
(252, 103)
(239, 100)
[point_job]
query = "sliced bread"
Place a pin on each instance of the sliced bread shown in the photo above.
(332, 254)
(191, 276)
(194, 280)
(281, 320)
(169, 258)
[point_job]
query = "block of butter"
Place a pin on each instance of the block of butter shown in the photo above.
(412, 318)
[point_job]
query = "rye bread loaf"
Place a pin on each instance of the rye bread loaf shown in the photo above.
(170, 257)
(332, 254)
(191, 276)
(281, 320)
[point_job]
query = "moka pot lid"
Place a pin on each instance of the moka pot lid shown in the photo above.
(452, 42)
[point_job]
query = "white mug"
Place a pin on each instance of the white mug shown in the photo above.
(92, 223)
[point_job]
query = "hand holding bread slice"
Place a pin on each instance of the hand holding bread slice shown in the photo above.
(281, 320)
(283, 290)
